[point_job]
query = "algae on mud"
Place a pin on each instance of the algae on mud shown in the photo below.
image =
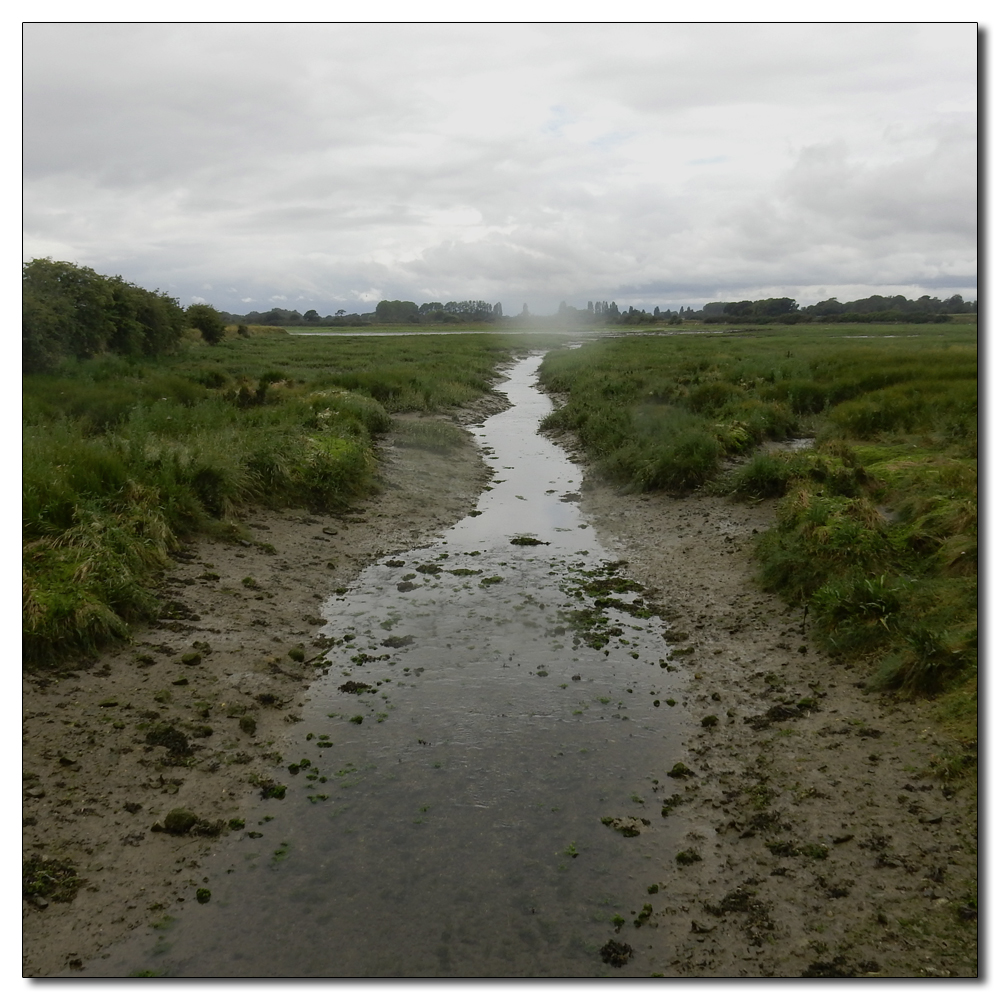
(940, 924)
(483, 740)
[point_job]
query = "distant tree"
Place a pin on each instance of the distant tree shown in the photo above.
(205, 318)
(397, 311)
(498, 311)
(341, 312)
(476, 309)
(828, 307)
(775, 307)
(311, 316)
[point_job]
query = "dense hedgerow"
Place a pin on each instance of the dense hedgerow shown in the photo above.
(68, 311)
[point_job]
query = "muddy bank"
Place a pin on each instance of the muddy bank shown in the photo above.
(817, 839)
(822, 841)
(187, 716)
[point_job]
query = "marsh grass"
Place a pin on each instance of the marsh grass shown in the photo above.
(877, 525)
(429, 435)
(123, 459)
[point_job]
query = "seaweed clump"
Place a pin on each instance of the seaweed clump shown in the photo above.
(616, 953)
(49, 879)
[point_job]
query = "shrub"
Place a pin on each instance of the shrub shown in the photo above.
(929, 662)
(207, 321)
(765, 475)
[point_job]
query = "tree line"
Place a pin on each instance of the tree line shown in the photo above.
(873, 309)
(387, 311)
(69, 311)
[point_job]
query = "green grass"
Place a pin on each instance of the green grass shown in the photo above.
(877, 524)
(123, 459)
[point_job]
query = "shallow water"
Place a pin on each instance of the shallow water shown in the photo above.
(448, 822)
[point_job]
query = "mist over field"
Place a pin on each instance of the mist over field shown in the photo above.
(331, 167)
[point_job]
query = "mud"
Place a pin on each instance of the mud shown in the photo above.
(820, 840)
(823, 841)
(188, 714)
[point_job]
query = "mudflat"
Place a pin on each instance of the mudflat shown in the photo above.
(212, 681)
(823, 838)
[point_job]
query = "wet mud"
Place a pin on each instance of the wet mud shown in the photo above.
(565, 736)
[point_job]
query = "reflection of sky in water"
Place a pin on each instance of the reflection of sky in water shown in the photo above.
(490, 739)
(531, 475)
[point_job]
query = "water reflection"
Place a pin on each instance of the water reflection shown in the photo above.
(485, 705)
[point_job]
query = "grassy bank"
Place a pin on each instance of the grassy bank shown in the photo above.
(124, 457)
(877, 523)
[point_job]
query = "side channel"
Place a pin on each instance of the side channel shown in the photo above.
(490, 698)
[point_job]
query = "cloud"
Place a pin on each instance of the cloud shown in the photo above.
(330, 163)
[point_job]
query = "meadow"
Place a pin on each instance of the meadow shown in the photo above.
(876, 534)
(125, 457)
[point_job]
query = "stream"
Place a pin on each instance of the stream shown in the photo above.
(489, 699)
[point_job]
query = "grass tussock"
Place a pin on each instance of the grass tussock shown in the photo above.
(429, 435)
(877, 524)
(122, 458)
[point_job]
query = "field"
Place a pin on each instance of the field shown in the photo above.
(123, 457)
(877, 524)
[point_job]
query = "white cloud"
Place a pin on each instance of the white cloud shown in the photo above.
(336, 164)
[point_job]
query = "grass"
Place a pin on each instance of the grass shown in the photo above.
(877, 522)
(125, 459)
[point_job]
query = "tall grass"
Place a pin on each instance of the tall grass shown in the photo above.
(877, 525)
(122, 459)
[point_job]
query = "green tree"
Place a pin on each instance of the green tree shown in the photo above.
(66, 312)
(205, 318)
(397, 311)
(71, 311)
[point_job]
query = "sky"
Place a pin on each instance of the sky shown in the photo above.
(315, 166)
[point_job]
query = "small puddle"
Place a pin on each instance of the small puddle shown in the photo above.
(490, 697)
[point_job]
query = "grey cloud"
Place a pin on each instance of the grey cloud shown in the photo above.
(544, 162)
(932, 193)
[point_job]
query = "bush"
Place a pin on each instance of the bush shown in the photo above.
(929, 662)
(208, 321)
(73, 312)
(765, 475)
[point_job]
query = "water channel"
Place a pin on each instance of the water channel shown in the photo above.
(490, 697)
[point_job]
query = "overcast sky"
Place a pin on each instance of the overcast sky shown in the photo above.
(328, 167)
